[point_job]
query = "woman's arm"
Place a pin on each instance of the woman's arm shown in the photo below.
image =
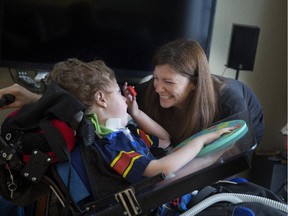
(22, 96)
(175, 161)
(144, 121)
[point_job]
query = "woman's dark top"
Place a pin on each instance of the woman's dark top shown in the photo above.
(237, 97)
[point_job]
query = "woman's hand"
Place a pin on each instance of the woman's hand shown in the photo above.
(22, 96)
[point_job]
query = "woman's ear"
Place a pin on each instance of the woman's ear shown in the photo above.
(100, 99)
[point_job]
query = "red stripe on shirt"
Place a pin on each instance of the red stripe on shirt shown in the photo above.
(142, 134)
(124, 161)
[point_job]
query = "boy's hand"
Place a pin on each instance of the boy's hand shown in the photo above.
(210, 137)
(127, 92)
(225, 130)
(130, 94)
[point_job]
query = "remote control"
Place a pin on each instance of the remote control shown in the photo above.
(26, 80)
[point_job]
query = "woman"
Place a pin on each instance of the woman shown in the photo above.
(185, 98)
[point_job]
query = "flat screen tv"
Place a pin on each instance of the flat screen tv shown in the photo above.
(35, 34)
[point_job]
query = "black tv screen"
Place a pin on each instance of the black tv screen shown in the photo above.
(35, 34)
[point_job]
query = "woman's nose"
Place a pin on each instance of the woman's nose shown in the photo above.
(158, 87)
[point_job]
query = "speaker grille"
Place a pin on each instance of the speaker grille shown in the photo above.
(243, 46)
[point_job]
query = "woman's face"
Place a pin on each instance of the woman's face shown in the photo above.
(172, 87)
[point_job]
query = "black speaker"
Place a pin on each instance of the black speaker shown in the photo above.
(243, 47)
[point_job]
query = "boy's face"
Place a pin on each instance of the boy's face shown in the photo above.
(116, 104)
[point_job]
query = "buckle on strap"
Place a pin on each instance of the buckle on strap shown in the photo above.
(128, 202)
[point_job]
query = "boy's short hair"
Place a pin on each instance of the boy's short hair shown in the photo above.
(82, 79)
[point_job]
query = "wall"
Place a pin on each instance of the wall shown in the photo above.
(269, 78)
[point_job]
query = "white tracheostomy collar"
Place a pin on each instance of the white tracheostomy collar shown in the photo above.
(115, 125)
